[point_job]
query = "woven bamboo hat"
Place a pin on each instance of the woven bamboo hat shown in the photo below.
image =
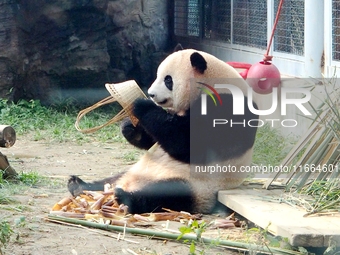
(125, 93)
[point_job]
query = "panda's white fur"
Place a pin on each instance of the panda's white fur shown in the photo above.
(156, 164)
(178, 66)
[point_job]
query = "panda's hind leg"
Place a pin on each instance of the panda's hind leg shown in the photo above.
(174, 194)
(76, 186)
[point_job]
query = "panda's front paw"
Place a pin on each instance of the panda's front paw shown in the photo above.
(143, 106)
(136, 135)
(129, 131)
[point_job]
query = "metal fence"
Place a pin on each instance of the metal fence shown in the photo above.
(242, 22)
(250, 23)
(289, 36)
(336, 30)
(217, 20)
(187, 18)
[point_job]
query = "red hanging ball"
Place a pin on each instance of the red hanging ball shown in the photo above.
(263, 77)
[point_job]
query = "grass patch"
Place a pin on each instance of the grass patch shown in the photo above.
(21, 185)
(32, 178)
(131, 156)
(25, 180)
(6, 200)
(271, 147)
(56, 123)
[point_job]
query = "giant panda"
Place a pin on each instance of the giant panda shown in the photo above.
(170, 124)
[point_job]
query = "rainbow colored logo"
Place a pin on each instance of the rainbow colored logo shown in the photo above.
(207, 91)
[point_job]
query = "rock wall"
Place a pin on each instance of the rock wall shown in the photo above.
(55, 49)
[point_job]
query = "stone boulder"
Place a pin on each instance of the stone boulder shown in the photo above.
(57, 49)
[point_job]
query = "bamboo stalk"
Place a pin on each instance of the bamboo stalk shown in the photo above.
(172, 236)
(292, 154)
(314, 156)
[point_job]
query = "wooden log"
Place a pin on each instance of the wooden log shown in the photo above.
(8, 172)
(7, 136)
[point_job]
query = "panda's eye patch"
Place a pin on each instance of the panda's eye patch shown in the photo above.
(168, 82)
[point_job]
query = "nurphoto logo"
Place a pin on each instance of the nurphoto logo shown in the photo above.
(239, 104)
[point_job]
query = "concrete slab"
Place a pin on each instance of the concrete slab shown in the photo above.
(282, 219)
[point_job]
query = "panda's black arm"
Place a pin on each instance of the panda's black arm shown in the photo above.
(136, 135)
(171, 131)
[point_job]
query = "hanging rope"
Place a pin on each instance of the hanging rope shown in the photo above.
(266, 56)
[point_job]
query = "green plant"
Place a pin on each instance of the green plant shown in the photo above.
(20, 222)
(31, 178)
(263, 237)
(6, 231)
(2, 181)
(5, 234)
(323, 197)
(196, 228)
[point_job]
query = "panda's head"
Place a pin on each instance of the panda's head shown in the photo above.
(174, 87)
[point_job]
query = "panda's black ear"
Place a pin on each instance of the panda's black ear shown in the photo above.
(178, 47)
(198, 62)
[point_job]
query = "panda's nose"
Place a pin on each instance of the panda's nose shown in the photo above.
(152, 95)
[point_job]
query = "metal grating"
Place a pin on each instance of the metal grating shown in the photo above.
(193, 18)
(336, 30)
(217, 20)
(244, 22)
(250, 23)
(289, 35)
(187, 18)
(181, 17)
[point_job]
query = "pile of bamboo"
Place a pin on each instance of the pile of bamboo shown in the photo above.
(101, 207)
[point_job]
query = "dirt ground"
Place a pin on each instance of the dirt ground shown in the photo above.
(90, 161)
